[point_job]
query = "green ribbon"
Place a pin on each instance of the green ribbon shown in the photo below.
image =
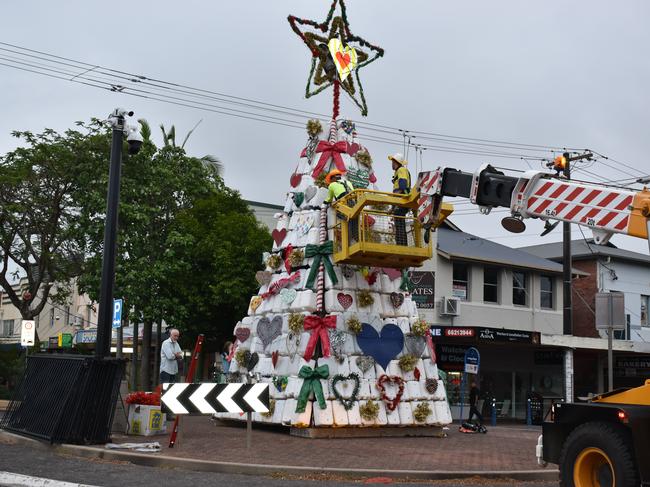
(406, 284)
(321, 254)
(311, 383)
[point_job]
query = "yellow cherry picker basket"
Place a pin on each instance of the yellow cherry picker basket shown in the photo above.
(378, 229)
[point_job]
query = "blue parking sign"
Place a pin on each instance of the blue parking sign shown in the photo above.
(117, 313)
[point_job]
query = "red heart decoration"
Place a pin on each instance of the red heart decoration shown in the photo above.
(295, 179)
(274, 358)
(391, 404)
(343, 59)
(345, 300)
(279, 236)
(392, 273)
(242, 334)
(416, 373)
(353, 148)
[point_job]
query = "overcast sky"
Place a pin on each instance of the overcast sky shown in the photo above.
(551, 73)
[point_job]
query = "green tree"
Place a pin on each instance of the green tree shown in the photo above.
(156, 185)
(217, 245)
(39, 213)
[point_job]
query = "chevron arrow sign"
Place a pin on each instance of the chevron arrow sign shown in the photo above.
(210, 398)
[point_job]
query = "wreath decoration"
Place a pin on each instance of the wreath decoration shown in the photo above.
(314, 127)
(422, 412)
(274, 261)
(271, 409)
(407, 362)
(363, 157)
(369, 411)
(296, 257)
(420, 328)
(364, 298)
(296, 323)
(240, 356)
(320, 180)
(354, 325)
(391, 404)
(280, 382)
(347, 402)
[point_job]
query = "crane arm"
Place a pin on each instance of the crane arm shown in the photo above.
(535, 194)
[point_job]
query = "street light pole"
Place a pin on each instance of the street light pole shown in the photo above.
(105, 318)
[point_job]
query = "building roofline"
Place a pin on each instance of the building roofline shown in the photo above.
(264, 205)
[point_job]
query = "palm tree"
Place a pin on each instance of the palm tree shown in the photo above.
(169, 139)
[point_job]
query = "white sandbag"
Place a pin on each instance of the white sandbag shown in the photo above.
(340, 414)
(405, 413)
(323, 417)
(303, 420)
(277, 412)
(414, 390)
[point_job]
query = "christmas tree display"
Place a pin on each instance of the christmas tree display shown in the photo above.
(339, 344)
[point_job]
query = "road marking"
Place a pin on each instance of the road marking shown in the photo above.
(15, 479)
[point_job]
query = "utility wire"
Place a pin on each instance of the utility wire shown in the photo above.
(130, 80)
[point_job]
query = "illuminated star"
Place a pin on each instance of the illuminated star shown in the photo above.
(323, 71)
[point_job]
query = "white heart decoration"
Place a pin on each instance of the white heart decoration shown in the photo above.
(288, 295)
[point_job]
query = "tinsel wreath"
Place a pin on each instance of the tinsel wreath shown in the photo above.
(349, 401)
(369, 411)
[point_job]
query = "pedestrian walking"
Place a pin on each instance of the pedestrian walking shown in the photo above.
(473, 401)
(170, 353)
(226, 357)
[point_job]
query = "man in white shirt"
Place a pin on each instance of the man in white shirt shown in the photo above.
(170, 351)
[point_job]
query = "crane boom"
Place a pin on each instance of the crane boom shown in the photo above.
(535, 194)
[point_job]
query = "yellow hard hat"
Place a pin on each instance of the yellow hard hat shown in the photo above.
(331, 174)
(398, 158)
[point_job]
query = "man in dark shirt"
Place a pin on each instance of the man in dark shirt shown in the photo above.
(473, 401)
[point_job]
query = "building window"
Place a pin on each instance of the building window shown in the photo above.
(460, 283)
(519, 292)
(645, 302)
(546, 284)
(7, 328)
(491, 284)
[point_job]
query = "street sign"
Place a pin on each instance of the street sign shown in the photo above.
(472, 360)
(610, 311)
(117, 313)
(28, 333)
(211, 398)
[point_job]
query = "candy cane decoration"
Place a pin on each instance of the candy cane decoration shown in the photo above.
(320, 305)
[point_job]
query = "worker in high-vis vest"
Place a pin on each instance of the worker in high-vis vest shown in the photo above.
(337, 188)
(401, 185)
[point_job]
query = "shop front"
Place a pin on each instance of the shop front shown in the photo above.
(513, 367)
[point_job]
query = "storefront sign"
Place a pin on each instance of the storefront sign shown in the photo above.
(451, 357)
(500, 335)
(548, 357)
(472, 360)
(459, 291)
(633, 363)
(424, 288)
(453, 332)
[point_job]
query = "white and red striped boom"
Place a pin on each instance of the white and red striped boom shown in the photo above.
(605, 210)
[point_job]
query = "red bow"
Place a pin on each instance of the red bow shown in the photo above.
(330, 151)
(280, 283)
(318, 327)
(432, 350)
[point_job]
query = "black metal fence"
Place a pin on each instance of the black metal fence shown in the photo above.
(65, 399)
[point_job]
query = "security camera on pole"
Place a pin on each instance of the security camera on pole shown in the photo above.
(117, 121)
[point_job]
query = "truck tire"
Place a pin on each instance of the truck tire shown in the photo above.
(598, 454)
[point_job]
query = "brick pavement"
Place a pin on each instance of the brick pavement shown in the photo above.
(502, 448)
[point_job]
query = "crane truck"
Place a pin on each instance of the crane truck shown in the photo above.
(606, 441)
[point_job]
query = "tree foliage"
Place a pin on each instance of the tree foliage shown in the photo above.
(39, 208)
(188, 246)
(217, 245)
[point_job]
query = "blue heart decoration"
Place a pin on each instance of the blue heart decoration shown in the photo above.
(384, 346)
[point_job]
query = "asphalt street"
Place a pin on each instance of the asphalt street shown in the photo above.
(39, 462)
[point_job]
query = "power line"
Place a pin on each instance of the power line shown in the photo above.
(129, 79)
